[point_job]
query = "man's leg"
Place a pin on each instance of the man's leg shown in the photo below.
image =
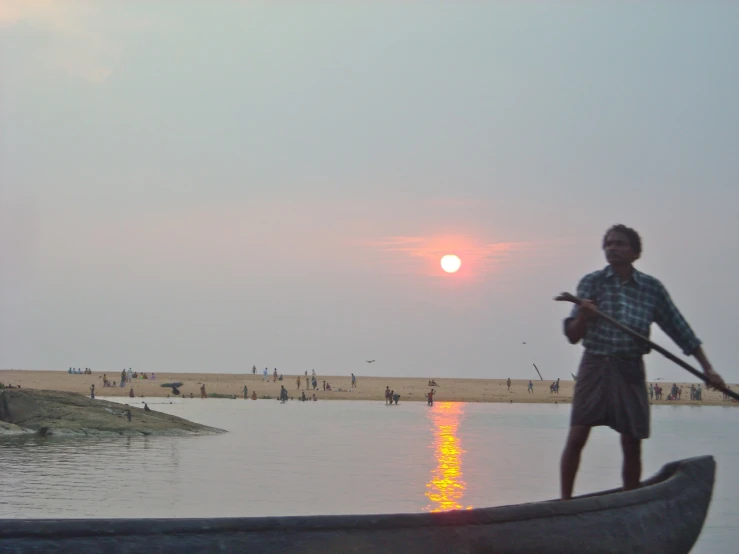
(632, 462)
(571, 458)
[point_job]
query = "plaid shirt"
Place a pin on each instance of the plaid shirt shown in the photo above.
(636, 303)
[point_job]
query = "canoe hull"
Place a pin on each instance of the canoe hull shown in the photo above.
(665, 515)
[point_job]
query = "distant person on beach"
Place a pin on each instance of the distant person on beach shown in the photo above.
(302, 396)
(254, 370)
(246, 392)
(146, 407)
(324, 385)
(202, 391)
(92, 392)
(531, 387)
(508, 383)
(315, 383)
(264, 375)
(298, 381)
(387, 395)
(610, 388)
(130, 393)
(283, 393)
(274, 376)
(354, 381)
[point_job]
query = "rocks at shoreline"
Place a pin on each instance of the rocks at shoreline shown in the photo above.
(24, 411)
(11, 429)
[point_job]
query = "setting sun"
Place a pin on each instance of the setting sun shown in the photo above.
(450, 263)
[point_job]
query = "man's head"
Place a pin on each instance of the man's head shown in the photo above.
(622, 245)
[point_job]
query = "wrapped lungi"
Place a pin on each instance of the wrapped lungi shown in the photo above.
(612, 391)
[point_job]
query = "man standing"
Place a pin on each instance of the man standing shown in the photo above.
(611, 388)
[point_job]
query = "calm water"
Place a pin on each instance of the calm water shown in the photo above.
(351, 457)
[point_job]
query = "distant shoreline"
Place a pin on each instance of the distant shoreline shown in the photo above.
(368, 388)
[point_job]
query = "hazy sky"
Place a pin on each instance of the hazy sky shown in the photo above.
(206, 186)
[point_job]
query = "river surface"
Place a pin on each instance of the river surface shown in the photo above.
(342, 457)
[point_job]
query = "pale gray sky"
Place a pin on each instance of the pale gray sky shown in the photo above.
(203, 186)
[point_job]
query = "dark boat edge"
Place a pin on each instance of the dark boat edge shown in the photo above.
(698, 471)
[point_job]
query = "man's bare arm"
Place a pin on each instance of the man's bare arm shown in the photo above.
(576, 327)
(713, 377)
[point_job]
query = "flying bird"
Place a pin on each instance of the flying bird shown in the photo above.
(369, 361)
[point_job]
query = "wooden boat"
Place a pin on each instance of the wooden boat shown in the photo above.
(665, 515)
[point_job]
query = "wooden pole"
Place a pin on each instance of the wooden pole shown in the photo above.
(537, 370)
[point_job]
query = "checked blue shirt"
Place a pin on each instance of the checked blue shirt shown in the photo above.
(636, 303)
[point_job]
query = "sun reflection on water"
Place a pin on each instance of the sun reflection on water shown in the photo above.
(446, 488)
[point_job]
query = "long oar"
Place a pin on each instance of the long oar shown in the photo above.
(567, 297)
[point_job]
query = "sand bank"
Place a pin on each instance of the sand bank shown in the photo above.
(368, 388)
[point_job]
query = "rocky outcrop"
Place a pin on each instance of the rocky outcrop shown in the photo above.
(67, 413)
(9, 429)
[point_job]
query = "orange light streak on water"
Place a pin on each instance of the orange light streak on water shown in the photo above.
(446, 488)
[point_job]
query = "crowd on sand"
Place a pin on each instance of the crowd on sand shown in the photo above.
(307, 385)
(656, 392)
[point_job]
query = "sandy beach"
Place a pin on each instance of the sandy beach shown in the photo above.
(368, 388)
